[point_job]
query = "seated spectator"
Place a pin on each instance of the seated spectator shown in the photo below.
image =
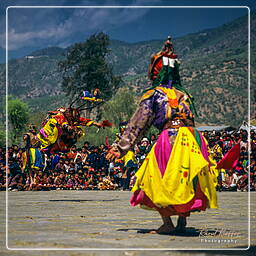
(71, 182)
(44, 182)
(82, 168)
(17, 182)
(38, 181)
(2, 180)
(92, 182)
(50, 180)
(230, 181)
(60, 165)
(59, 180)
(67, 165)
(106, 184)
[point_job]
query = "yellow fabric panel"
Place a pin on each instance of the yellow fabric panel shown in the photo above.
(129, 156)
(185, 162)
(92, 99)
(33, 158)
(171, 94)
(51, 131)
(90, 123)
(147, 94)
(208, 182)
(148, 178)
(176, 186)
(33, 155)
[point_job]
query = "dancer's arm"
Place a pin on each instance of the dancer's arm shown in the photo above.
(136, 128)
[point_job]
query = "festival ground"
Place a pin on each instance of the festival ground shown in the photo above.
(104, 219)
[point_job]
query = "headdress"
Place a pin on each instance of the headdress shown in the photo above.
(168, 46)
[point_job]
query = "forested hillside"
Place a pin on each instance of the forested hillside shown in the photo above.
(214, 70)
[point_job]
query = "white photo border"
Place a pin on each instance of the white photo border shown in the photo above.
(130, 249)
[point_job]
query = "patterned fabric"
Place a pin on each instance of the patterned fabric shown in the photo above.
(162, 182)
(174, 185)
(176, 177)
(156, 107)
(36, 160)
(164, 70)
(49, 133)
(130, 156)
(136, 128)
(163, 151)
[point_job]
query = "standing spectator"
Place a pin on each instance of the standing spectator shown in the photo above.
(153, 139)
(129, 166)
(244, 139)
(78, 162)
(104, 163)
(86, 145)
(55, 160)
(144, 148)
(94, 158)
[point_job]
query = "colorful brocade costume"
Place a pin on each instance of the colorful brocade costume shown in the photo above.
(62, 129)
(178, 175)
(31, 157)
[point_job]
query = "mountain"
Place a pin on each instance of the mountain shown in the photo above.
(50, 52)
(214, 70)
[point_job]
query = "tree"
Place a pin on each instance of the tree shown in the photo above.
(120, 107)
(86, 68)
(18, 115)
(2, 136)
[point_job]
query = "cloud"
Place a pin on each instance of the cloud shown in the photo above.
(55, 26)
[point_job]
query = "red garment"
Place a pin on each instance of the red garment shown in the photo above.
(84, 121)
(71, 155)
(229, 161)
(60, 118)
(198, 202)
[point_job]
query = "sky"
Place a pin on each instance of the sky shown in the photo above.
(36, 28)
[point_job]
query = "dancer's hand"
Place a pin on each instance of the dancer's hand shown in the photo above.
(112, 154)
(99, 125)
(103, 124)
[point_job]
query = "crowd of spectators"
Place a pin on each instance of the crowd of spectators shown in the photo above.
(237, 178)
(86, 168)
(79, 169)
